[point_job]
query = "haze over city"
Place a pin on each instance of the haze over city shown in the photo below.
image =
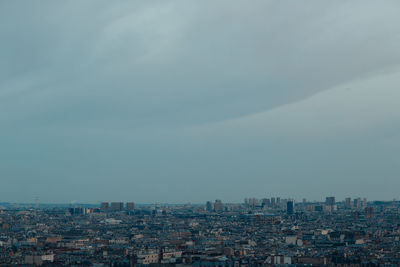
(189, 101)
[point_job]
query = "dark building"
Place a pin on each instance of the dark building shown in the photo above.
(273, 202)
(218, 206)
(290, 207)
(266, 202)
(130, 206)
(330, 201)
(209, 206)
(117, 206)
(369, 212)
(104, 206)
(319, 208)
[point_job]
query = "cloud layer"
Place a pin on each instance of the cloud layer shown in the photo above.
(188, 101)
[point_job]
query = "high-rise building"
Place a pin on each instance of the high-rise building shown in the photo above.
(290, 207)
(266, 202)
(357, 203)
(364, 202)
(273, 202)
(104, 206)
(252, 203)
(348, 203)
(369, 212)
(117, 206)
(130, 206)
(355, 215)
(218, 206)
(79, 211)
(209, 206)
(330, 201)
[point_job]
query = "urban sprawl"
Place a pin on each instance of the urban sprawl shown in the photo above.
(258, 232)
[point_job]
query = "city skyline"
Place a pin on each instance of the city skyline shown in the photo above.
(270, 233)
(261, 133)
(260, 199)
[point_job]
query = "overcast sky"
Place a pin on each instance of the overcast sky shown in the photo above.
(189, 101)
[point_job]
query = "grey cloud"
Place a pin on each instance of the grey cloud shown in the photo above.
(117, 84)
(188, 58)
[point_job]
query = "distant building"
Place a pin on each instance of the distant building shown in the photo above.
(330, 201)
(148, 258)
(369, 212)
(130, 206)
(318, 208)
(104, 206)
(355, 216)
(266, 202)
(364, 202)
(357, 203)
(117, 206)
(278, 260)
(252, 203)
(290, 207)
(218, 206)
(348, 203)
(79, 211)
(209, 206)
(273, 202)
(38, 259)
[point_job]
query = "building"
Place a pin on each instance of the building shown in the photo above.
(290, 207)
(266, 202)
(357, 203)
(364, 202)
(348, 203)
(148, 258)
(79, 211)
(39, 259)
(252, 203)
(209, 206)
(273, 202)
(330, 201)
(130, 206)
(117, 206)
(218, 206)
(318, 208)
(104, 206)
(369, 212)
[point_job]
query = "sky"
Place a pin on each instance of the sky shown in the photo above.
(189, 101)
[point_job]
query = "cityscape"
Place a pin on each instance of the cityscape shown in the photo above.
(258, 232)
(178, 133)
